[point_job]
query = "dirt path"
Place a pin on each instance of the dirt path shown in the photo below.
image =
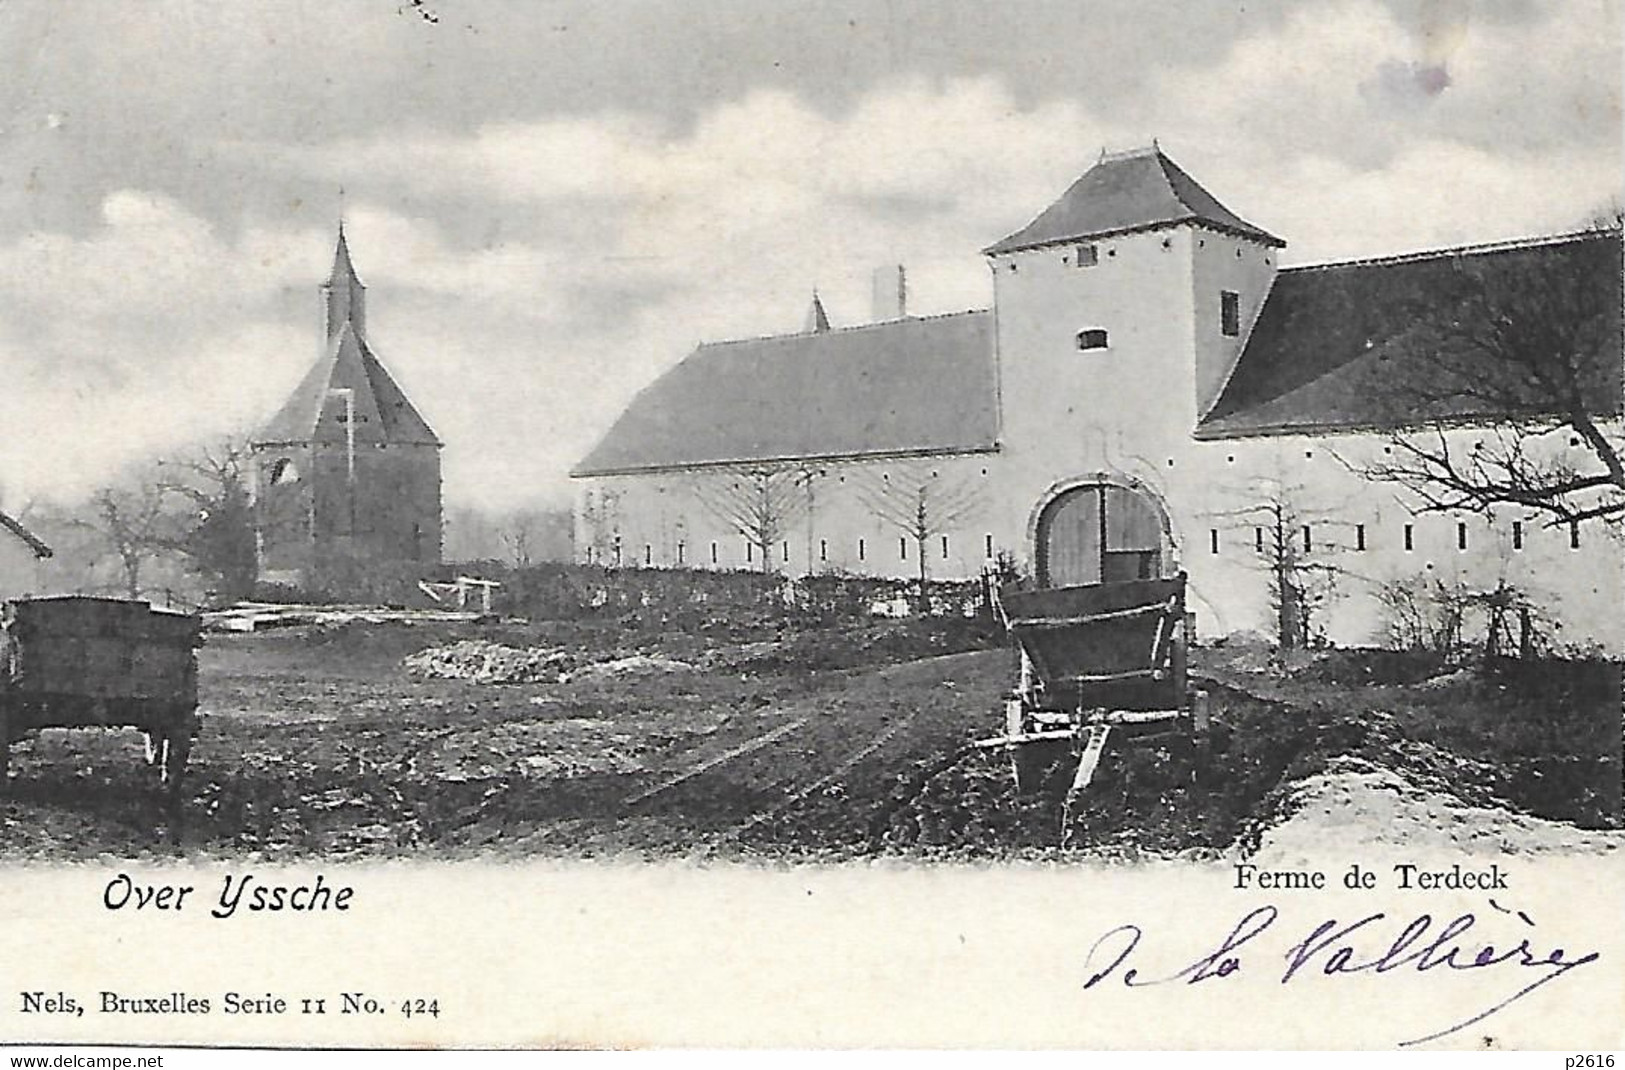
(322, 745)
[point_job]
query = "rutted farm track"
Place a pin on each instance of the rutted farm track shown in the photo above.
(834, 743)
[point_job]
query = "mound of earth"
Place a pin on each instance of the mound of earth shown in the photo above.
(485, 662)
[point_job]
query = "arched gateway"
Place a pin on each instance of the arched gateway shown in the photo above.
(1100, 531)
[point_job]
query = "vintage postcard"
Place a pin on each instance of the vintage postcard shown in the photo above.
(880, 524)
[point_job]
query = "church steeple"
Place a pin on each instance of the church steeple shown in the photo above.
(343, 293)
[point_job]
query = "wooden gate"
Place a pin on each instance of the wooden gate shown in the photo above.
(1100, 533)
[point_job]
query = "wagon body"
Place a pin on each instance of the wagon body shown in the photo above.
(80, 662)
(1098, 662)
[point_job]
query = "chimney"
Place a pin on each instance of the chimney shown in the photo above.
(890, 293)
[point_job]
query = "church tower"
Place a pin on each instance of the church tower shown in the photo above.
(347, 473)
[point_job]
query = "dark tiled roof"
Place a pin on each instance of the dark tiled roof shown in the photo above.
(1125, 192)
(1358, 345)
(910, 385)
(383, 414)
(14, 526)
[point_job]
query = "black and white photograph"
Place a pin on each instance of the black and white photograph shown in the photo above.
(859, 524)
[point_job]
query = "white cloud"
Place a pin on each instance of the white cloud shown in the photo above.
(623, 242)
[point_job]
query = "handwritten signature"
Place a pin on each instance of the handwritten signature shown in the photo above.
(1332, 948)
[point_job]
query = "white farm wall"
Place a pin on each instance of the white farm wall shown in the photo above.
(668, 520)
(1579, 587)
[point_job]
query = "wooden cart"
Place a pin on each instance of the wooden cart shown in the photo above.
(1100, 664)
(78, 662)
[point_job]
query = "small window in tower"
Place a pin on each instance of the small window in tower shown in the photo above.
(1229, 313)
(1087, 256)
(1093, 338)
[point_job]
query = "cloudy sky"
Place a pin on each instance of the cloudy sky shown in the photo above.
(552, 202)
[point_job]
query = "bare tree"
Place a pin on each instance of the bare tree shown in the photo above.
(760, 504)
(921, 503)
(519, 534)
(130, 524)
(1295, 546)
(213, 527)
(191, 511)
(1528, 349)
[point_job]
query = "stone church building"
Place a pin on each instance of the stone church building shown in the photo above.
(1151, 391)
(347, 472)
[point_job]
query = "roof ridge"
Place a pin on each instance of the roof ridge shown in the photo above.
(1471, 248)
(1152, 149)
(841, 330)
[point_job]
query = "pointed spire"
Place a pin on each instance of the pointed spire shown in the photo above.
(817, 319)
(343, 269)
(344, 294)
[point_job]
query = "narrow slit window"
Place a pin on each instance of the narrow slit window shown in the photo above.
(750, 553)
(1229, 313)
(1517, 534)
(1574, 534)
(1258, 539)
(713, 553)
(648, 554)
(945, 547)
(902, 549)
(987, 547)
(785, 550)
(1359, 536)
(680, 553)
(1410, 536)
(1092, 338)
(823, 549)
(1308, 543)
(1461, 536)
(860, 550)
(1213, 540)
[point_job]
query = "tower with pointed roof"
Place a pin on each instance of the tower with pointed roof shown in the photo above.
(347, 473)
(1122, 308)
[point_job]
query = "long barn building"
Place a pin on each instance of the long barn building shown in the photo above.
(1150, 391)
